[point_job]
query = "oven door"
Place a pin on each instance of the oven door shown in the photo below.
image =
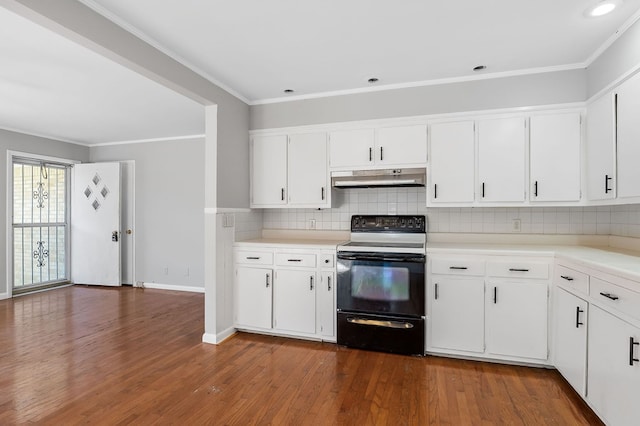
(381, 283)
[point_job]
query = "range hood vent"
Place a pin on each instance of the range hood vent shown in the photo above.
(378, 178)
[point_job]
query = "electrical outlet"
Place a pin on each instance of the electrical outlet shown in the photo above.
(516, 225)
(165, 270)
(312, 224)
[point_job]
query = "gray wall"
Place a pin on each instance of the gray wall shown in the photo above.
(34, 145)
(622, 56)
(526, 90)
(169, 199)
(233, 153)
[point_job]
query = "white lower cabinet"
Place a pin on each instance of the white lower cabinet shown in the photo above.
(614, 372)
(517, 319)
(570, 344)
(253, 297)
(457, 313)
(294, 301)
(286, 292)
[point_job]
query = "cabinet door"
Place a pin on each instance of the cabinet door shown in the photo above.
(452, 162)
(601, 149)
(457, 313)
(555, 157)
(351, 148)
(517, 319)
(614, 377)
(628, 111)
(294, 301)
(501, 159)
(401, 146)
(326, 305)
(571, 338)
(253, 297)
(308, 172)
(268, 170)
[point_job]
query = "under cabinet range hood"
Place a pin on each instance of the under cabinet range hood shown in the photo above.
(378, 178)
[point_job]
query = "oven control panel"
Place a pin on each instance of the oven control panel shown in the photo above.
(402, 223)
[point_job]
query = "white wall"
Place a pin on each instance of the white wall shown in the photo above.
(30, 144)
(169, 228)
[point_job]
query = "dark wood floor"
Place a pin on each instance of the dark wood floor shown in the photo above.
(134, 356)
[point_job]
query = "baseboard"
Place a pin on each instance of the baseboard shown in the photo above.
(216, 339)
(4, 296)
(157, 286)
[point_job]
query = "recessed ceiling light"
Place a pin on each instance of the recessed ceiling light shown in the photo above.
(373, 80)
(602, 7)
(289, 90)
(480, 67)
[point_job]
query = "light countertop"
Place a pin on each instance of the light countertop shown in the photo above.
(290, 243)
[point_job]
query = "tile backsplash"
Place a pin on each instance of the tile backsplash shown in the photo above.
(605, 220)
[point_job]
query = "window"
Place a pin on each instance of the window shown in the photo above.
(40, 217)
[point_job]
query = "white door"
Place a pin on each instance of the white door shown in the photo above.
(253, 297)
(457, 313)
(601, 149)
(326, 306)
(517, 319)
(95, 224)
(452, 162)
(555, 157)
(401, 145)
(269, 171)
(628, 142)
(571, 339)
(349, 148)
(501, 159)
(308, 177)
(127, 199)
(294, 301)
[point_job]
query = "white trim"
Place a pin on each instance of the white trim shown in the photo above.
(615, 83)
(172, 287)
(216, 339)
(418, 119)
(150, 140)
(153, 43)
(216, 210)
(38, 135)
(435, 82)
(615, 36)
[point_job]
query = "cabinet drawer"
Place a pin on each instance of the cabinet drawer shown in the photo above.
(254, 257)
(571, 278)
(518, 269)
(326, 261)
(296, 259)
(457, 267)
(609, 294)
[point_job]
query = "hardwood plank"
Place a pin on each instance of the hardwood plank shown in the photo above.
(134, 356)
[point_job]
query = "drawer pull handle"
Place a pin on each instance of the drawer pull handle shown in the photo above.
(564, 277)
(461, 268)
(267, 275)
(328, 283)
(311, 282)
(253, 257)
(578, 312)
(326, 261)
(632, 343)
(518, 270)
(435, 292)
(294, 260)
(609, 296)
(495, 295)
(380, 323)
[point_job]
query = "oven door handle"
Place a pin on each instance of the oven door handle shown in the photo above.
(378, 258)
(380, 323)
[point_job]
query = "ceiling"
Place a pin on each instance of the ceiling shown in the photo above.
(259, 48)
(53, 87)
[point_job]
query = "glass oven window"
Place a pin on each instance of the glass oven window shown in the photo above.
(382, 283)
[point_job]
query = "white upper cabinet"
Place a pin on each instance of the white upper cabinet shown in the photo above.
(290, 171)
(601, 149)
(628, 138)
(401, 146)
(501, 159)
(555, 157)
(308, 174)
(452, 159)
(351, 148)
(269, 171)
